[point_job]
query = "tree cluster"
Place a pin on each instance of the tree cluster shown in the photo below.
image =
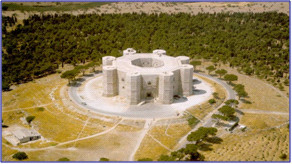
(239, 89)
(256, 43)
(71, 74)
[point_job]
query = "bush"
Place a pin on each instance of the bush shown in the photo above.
(145, 159)
(216, 95)
(4, 126)
(283, 156)
(40, 109)
(212, 101)
(29, 119)
(64, 159)
(193, 121)
(4, 8)
(103, 159)
(20, 156)
(58, 71)
(5, 86)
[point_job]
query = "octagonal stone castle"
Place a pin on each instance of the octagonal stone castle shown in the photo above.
(147, 76)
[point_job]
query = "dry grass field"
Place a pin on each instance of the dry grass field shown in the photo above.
(61, 123)
(257, 145)
(149, 148)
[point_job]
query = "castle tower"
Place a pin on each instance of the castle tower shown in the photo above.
(110, 81)
(108, 60)
(183, 59)
(133, 82)
(129, 51)
(166, 88)
(186, 72)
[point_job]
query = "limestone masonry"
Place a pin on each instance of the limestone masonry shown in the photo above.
(147, 76)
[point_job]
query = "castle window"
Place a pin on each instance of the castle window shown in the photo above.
(149, 82)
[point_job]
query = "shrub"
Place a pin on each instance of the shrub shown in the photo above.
(58, 71)
(5, 86)
(145, 159)
(283, 156)
(103, 159)
(29, 119)
(64, 159)
(20, 156)
(4, 8)
(192, 121)
(40, 109)
(212, 101)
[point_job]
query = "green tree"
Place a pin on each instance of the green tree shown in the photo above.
(232, 102)
(195, 63)
(227, 111)
(191, 148)
(145, 159)
(29, 119)
(219, 117)
(40, 109)
(286, 82)
(179, 154)
(81, 68)
(166, 158)
(192, 121)
(201, 134)
(283, 156)
(92, 65)
(70, 75)
(211, 69)
(64, 159)
(230, 78)
(20, 156)
(103, 159)
(5, 86)
(215, 95)
(212, 101)
(221, 72)
(241, 93)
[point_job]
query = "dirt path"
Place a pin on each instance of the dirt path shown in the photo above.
(255, 111)
(147, 126)
(161, 144)
(86, 122)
